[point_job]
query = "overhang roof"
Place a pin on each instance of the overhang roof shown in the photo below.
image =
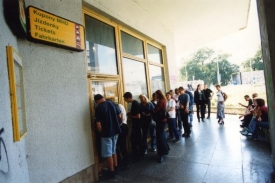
(197, 22)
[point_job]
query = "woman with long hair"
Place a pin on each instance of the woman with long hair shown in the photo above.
(146, 109)
(199, 100)
(161, 120)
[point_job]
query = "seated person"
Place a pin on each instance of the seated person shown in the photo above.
(248, 115)
(260, 119)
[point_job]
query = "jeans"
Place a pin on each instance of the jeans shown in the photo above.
(191, 114)
(152, 129)
(172, 128)
(254, 123)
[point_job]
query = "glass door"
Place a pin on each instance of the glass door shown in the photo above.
(109, 90)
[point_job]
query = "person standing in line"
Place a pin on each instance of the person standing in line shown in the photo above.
(146, 110)
(220, 105)
(178, 120)
(136, 138)
(199, 99)
(208, 96)
(170, 108)
(152, 127)
(191, 105)
(184, 111)
(107, 118)
(161, 120)
(123, 162)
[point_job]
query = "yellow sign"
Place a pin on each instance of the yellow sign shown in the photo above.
(50, 29)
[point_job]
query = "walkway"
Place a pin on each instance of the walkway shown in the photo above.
(213, 154)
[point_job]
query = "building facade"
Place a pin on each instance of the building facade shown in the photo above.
(126, 50)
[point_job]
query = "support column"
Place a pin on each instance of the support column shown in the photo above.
(266, 13)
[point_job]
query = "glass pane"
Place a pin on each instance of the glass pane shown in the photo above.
(100, 47)
(154, 54)
(134, 77)
(157, 78)
(132, 45)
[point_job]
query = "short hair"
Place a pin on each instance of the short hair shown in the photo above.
(181, 88)
(246, 96)
(218, 86)
(128, 95)
(254, 95)
(144, 96)
(98, 97)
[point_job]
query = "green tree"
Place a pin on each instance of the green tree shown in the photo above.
(256, 62)
(203, 66)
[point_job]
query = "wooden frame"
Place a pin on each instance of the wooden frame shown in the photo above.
(17, 94)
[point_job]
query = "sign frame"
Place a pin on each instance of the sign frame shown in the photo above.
(46, 27)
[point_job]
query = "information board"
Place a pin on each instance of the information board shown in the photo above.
(47, 28)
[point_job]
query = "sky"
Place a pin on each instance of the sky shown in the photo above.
(241, 45)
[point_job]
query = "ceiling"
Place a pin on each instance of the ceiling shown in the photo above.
(197, 22)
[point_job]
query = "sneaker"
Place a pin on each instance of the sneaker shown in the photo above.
(177, 141)
(154, 150)
(208, 117)
(170, 139)
(145, 152)
(246, 133)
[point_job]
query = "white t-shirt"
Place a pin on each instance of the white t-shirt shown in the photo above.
(123, 112)
(219, 96)
(169, 104)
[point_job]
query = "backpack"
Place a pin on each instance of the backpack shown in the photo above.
(224, 96)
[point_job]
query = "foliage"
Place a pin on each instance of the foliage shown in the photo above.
(256, 62)
(203, 66)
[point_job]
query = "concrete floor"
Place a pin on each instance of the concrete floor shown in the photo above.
(213, 154)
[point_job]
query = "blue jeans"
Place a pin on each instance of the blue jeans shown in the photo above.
(152, 129)
(172, 128)
(191, 114)
(178, 119)
(254, 123)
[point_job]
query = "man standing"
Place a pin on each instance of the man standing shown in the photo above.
(208, 96)
(184, 111)
(136, 138)
(191, 104)
(107, 122)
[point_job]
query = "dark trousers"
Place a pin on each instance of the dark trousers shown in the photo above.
(186, 126)
(145, 123)
(122, 152)
(200, 109)
(208, 103)
(247, 120)
(162, 145)
(179, 123)
(136, 140)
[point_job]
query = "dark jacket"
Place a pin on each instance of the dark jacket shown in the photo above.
(197, 96)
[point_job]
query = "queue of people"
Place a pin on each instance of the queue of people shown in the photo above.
(174, 110)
